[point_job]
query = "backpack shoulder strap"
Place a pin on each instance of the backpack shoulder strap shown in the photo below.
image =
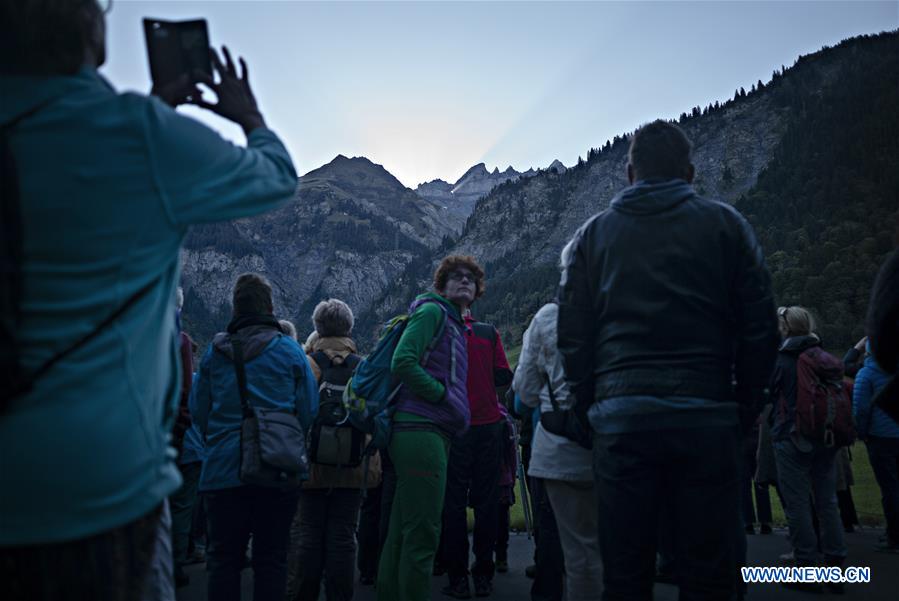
(322, 360)
(484, 330)
(437, 335)
(352, 360)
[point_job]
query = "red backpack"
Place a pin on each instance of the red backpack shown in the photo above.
(823, 408)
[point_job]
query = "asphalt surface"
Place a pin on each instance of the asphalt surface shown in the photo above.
(763, 551)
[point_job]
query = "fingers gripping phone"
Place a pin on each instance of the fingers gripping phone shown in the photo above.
(176, 48)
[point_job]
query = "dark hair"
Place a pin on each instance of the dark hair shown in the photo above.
(452, 263)
(46, 37)
(252, 295)
(660, 150)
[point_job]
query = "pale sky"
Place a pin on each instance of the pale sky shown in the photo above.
(429, 89)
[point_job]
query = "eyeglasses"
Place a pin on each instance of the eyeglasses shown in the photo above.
(782, 312)
(458, 276)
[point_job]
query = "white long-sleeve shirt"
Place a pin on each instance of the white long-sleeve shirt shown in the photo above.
(540, 366)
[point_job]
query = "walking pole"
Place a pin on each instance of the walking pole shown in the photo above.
(525, 500)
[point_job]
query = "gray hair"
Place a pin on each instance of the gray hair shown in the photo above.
(333, 318)
(288, 327)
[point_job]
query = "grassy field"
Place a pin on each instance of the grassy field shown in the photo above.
(865, 493)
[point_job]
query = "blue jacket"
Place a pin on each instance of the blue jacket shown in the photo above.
(109, 185)
(869, 380)
(278, 377)
(193, 449)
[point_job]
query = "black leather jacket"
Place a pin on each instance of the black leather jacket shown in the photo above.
(667, 294)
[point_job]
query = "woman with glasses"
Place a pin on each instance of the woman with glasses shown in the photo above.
(431, 362)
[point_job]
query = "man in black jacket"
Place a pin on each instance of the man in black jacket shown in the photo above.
(667, 328)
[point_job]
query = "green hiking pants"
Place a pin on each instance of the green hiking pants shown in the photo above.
(407, 559)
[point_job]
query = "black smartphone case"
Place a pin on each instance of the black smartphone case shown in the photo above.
(175, 48)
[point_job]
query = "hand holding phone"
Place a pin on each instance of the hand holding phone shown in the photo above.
(235, 98)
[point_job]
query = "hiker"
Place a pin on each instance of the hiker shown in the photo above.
(854, 358)
(805, 467)
(506, 497)
(883, 332)
(103, 233)
(189, 464)
(329, 501)
(368, 535)
(668, 334)
(749, 449)
(475, 459)
(548, 569)
(431, 411)
(880, 433)
(278, 377)
(193, 452)
(288, 328)
(563, 464)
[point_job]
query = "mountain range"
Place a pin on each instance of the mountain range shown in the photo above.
(460, 198)
(812, 161)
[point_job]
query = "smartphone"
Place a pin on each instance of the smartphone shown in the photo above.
(175, 48)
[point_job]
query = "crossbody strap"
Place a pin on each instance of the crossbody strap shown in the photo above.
(11, 214)
(552, 395)
(49, 363)
(237, 349)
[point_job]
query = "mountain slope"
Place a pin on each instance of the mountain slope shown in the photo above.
(518, 230)
(826, 208)
(350, 232)
(460, 198)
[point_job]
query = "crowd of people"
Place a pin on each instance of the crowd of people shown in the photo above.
(652, 397)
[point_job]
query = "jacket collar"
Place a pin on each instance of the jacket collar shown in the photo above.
(334, 347)
(451, 308)
(797, 344)
(22, 93)
(256, 333)
(651, 196)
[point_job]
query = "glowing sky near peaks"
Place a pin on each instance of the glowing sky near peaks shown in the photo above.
(429, 89)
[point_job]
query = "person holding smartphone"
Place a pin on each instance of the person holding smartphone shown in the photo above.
(99, 189)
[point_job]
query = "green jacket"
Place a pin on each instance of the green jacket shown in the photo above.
(420, 330)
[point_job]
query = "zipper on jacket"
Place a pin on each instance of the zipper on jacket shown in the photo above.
(453, 360)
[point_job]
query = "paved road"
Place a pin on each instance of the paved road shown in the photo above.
(763, 551)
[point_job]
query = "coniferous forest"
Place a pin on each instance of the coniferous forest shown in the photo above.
(826, 208)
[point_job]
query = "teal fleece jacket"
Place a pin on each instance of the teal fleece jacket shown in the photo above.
(109, 185)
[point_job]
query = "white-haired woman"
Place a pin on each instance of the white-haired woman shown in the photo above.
(323, 545)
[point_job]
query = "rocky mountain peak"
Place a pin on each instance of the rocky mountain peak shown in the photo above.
(356, 169)
(557, 166)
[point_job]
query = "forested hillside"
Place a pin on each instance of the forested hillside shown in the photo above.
(811, 157)
(826, 208)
